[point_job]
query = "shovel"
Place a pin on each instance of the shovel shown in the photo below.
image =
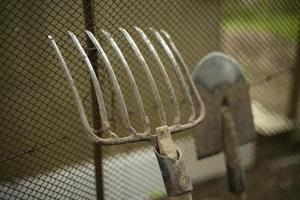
(229, 122)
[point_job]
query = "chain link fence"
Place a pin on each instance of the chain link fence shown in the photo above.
(44, 153)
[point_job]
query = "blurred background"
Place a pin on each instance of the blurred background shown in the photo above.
(44, 153)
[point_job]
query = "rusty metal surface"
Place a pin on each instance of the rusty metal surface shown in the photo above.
(232, 87)
(174, 174)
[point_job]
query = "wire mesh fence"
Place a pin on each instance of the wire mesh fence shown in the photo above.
(46, 155)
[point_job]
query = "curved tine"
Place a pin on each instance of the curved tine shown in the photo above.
(179, 75)
(79, 105)
(163, 73)
(133, 84)
(186, 70)
(100, 101)
(116, 86)
(162, 114)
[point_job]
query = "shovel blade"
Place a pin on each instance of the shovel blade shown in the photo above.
(218, 78)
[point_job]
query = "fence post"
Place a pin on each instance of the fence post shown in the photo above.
(90, 24)
(296, 83)
(295, 91)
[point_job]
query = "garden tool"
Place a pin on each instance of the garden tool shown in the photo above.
(229, 121)
(177, 182)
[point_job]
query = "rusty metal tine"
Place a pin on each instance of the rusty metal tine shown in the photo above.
(133, 84)
(163, 73)
(79, 105)
(95, 82)
(159, 105)
(115, 83)
(179, 75)
(186, 71)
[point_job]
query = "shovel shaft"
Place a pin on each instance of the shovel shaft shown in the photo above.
(184, 196)
(235, 171)
(241, 196)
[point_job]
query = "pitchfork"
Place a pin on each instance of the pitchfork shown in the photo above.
(177, 183)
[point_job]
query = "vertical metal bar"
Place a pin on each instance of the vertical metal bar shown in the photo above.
(296, 83)
(90, 24)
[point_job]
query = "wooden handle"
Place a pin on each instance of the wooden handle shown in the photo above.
(165, 143)
(233, 156)
(184, 196)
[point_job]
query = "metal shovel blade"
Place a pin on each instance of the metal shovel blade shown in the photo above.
(218, 78)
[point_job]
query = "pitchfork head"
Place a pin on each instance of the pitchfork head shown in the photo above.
(180, 68)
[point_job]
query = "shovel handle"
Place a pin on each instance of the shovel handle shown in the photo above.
(235, 170)
(184, 196)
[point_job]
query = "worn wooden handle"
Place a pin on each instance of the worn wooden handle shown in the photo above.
(235, 171)
(165, 143)
(184, 196)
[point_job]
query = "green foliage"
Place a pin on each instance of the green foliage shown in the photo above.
(282, 26)
(277, 17)
(157, 195)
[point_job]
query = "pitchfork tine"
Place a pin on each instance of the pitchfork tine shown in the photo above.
(178, 72)
(164, 130)
(80, 107)
(116, 86)
(95, 82)
(133, 84)
(186, 71)
(163, 73)
(159, 105)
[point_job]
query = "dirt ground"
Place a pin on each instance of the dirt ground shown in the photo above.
(275, 175)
